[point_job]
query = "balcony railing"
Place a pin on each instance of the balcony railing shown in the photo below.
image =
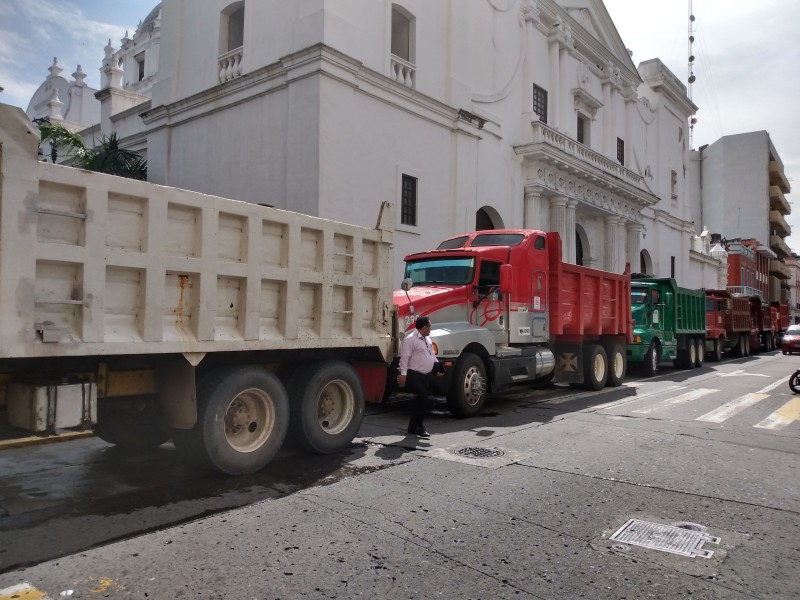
(230, 65)
(778, 177)
(777, 222)
(780, 247)
(542, 134)
(745, 290)
(403, 71)
(777, 201)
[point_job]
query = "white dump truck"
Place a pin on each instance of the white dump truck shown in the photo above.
(151, 313)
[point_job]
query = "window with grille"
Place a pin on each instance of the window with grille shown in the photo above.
(621, 151)
(540, 102)
(408, 201)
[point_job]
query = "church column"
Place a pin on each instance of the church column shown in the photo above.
(634, 248)
(610, 263)
(569, 240)
(558, 221)
(620, 246)
(532, 218)
(607, 119)
(553, 95)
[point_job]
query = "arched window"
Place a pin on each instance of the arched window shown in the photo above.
(232, 27)
(403, 49)
(231, 41)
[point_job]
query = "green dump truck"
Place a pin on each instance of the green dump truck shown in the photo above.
(669, 323)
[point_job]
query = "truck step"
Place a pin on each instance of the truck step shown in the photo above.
(506, 351)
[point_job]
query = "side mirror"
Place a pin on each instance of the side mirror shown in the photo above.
(506, 278)
(406, 284)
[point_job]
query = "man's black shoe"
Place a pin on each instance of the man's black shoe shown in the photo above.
(419, 431)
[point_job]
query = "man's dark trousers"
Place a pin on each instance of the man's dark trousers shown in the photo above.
(419, 384)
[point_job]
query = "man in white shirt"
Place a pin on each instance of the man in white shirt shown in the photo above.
(418, 364)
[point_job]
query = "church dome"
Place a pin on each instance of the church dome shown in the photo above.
(149, 22)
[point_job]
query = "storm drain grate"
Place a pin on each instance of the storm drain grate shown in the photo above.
(478, 452)
(667, 538)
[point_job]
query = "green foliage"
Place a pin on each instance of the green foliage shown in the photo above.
(106, 157)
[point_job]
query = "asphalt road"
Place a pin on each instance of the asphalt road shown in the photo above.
(520, 502)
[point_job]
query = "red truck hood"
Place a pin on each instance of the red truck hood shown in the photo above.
(427, 300)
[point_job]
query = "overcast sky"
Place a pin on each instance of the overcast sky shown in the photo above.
(747, 57)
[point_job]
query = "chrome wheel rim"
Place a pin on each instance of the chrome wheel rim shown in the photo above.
(474, 386)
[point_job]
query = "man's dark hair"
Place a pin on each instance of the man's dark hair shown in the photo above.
(422, 322)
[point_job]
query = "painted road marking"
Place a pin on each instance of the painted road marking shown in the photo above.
(622, 401)
(22, 591)
(783, 416)
(687, 397)
(727, 410)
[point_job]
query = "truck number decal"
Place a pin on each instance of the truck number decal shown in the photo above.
(655, 317)
(522, 309)
(537, 303)
(524, 331)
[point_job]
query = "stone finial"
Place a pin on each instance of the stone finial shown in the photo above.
(54, 106)
(55, 69)
(79, 76)
(109, 50)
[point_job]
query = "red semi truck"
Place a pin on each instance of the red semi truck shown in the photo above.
(507, 309)
(764, 334)
(728, 324)
(780, 319)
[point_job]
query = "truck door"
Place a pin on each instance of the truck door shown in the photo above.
(488, 303)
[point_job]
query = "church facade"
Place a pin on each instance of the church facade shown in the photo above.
(465, 114)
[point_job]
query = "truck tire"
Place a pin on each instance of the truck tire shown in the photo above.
(691, 354)
(327, 407)
(740, 351)
(617, 365)
(700, 345)
(135, 428)
(595, 367)
(468, 394)
(651, 359)
(242, 419)
(716, 352)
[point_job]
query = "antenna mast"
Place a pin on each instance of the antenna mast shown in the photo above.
(692, 120)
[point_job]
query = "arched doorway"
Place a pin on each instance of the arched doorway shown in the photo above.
(488, 218)
(645, 263)
(582, 253)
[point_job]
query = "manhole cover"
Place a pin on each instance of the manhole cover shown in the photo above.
(478, 452)
(667, 538)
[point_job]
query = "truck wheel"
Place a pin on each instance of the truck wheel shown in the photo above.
(135, 428)
(242, 419)
(468, 393)
(691, 354)
(327, 403)
(595, 367)
(652, 358)
(700, 345)
(617, 364)
(716, 352)
(740, 352)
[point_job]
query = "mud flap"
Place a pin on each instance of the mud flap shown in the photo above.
(569, 363)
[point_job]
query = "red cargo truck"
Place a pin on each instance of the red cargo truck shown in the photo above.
(507, 309)
(764, 336)
(780, 318)
(728, 324)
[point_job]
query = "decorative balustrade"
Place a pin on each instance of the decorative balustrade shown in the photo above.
(230, 65)
(403, 71)
(545, 135)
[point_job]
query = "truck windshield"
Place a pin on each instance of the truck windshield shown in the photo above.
(638, 295)
(448, 271)
(709, 304)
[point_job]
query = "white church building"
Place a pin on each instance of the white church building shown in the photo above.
(464, 113)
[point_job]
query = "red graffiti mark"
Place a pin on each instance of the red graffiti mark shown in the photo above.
(491, 312)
